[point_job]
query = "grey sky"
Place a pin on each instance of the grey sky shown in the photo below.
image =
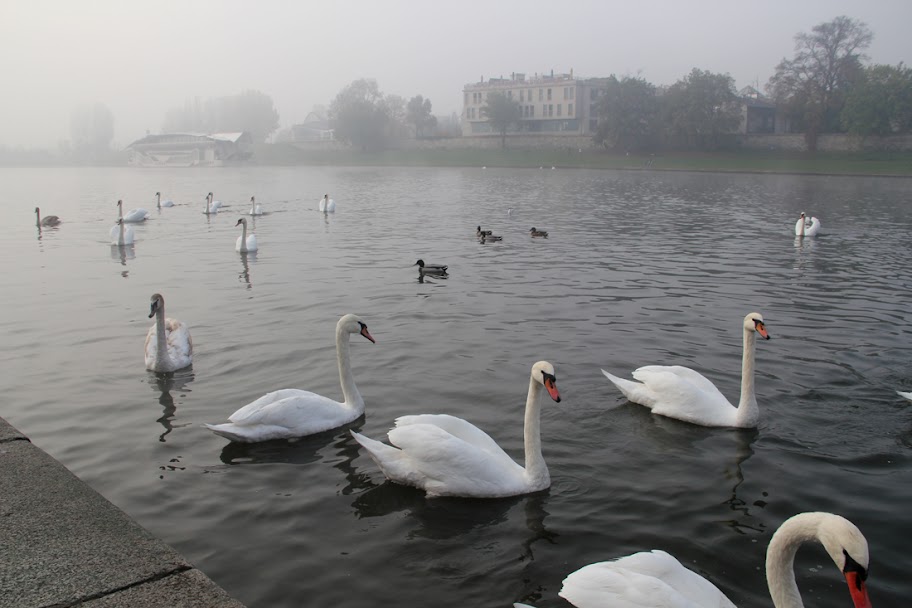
(141, 58)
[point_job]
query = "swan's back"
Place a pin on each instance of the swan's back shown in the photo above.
(127, 235)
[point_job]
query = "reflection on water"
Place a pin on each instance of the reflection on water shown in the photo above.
(122, 253)
(245, 272)
(165, 384)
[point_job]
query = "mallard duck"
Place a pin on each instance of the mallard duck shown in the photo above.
(484, 238)
(534, 232)
(430, 268)
(479, 232)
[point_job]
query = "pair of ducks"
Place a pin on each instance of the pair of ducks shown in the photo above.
(486, 235)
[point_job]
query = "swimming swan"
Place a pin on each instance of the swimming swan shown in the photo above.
(254, 208)
(245, 243)
(134, 216)
(291, 412)
(657, 580)
(160, 203)
(805, 227)
(168, 343)
(682, 393)
(327, 205)
(46, 221)
(447, 456)
(120, 233)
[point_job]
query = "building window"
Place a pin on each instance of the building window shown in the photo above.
(539, 94)
(572, 92)
(559, 109)
(531, 111)
(509, 94)
(550, 109)
(522, 95)
(570, 109)
(549, 94)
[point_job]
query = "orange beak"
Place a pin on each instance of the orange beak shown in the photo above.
(367, 335)
(552, 389)
(761, 329)
(858, 590)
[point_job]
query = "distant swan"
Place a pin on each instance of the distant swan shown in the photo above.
(805, 227)
(48, 220)
(120, 233)
(214, 205)
(134, 216)
(327, 205)
(168, 343)
(447, 456)
(290, 412)
(254, 208)
(682, 393)
(245, 243)
(657, 580)
(210, 208)
(160, 203)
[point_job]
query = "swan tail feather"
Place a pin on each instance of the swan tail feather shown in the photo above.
(387, 457)
(634, 391)
(253, 434)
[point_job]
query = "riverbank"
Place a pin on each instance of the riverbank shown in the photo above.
(63, 544)
(888, 164)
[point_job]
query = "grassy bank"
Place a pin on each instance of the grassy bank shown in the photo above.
(879, 163)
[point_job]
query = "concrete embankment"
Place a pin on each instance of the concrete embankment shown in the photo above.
(62, 544)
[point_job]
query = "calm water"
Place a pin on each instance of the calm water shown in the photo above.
(640, 268)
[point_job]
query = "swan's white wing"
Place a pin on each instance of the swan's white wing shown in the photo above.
(251, 242)
(300, 412)
(652, 579)
(150, 348)
(459, 428)
(906, 395)
(685, 394)
(180, 345)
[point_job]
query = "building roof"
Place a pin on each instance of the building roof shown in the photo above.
(183, 137)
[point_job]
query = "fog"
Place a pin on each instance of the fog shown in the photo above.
(141, 58)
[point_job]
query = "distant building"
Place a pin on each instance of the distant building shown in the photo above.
(190, 149)
(759, 114)
(551, 105)
(315, 128)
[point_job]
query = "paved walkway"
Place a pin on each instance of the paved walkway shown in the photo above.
(62, 544)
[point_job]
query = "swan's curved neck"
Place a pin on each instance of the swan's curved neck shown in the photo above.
(38, 218)
(536, 469)
(162, 360)
(243, 237)
(158, 200)
(748, 412)
(353, 398)
(780, 557)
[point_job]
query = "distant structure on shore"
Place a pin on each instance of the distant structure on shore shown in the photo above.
(190, 149)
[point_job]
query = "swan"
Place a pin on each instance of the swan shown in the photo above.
(120, 233)
(246, 242)
(48, 220)
(211, 208)
(168, 343)
(655, 579)
(805, 227)
(291, 412)
(430, 268)
(327, 205)
(214, 205)
(447, 456)
(535, 232)
(682, 393)
(134, 216)
(160, 203)
(254, 208)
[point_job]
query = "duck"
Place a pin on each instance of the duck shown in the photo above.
(254, 208)
(448, 456)
(290, 412)
(658, 580)
(121, 234)
(805, 227)
(430, 268)
(245, 243)
(484, 238)
(684, 394)
(168, 344)
(479, 232)
(46, 221)
(534, 232)
(160, 203)
(327, 205)
(134, 216)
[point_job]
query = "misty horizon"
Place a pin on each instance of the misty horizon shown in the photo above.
(143, 59)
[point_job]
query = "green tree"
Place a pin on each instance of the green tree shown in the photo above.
(418, 114)
(812, 86)
(91, 131)
(627, 114)
(880, 103)
(502, 113)
(700, 108)
(250, 111)
(360, 116)
(395, 110)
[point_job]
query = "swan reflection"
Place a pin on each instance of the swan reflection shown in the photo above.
(122, 253)
(164, 384)
(244, 276)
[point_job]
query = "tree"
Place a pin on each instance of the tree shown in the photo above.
(812, 86)
(395, 110)
(250, 111)
(91, 130)
(502, 113)
(359, 115)
(701, 107)
(627, 114)
(418, 113)
(880, 103)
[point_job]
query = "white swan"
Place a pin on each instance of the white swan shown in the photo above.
(120, 233)
(805, 227)
(210, 208)
(246, 242)
(655, 579)
(160, 203)
(214, 205)
(134, 216)
(291, 412)
(447, 456)
(46, 221)
(682, 393)
(168, 343)
(254, 208)
(327, 205)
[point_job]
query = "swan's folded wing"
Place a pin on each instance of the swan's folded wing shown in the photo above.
(178, 338)
(457, 427)
(641, 580)
(677, 379)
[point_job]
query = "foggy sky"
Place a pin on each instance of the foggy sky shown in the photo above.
(141, 58)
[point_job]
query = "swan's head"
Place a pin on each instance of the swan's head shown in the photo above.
(251, 199)
(158, 194)
(157, 303)
(803, 214)
(543, 372)
(848, 548)
(119, 203)
(36, 210)
(354, 325)
(241, 221)
(754, 322)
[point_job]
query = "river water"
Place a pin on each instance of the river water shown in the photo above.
(640, 268)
